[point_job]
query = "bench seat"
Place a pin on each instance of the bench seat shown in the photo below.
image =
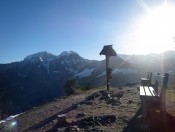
(148, 96)
(148, 93)
(151, 101)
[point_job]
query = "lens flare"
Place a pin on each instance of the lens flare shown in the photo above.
(155, 31)
(14, 123)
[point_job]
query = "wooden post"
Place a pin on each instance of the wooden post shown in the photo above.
(149, 77)
(61, 119)
(107, 79)
(156, 86)
(163, 99)
(156, 83)
(163, 92)
(108, 51)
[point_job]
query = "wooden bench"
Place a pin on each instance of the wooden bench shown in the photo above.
(147, 80)
(150, 98)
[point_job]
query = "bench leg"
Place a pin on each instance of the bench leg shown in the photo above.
(144, 109)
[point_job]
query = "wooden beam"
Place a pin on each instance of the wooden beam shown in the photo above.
(107, 65)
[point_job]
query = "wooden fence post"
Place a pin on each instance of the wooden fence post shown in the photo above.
(163, 92)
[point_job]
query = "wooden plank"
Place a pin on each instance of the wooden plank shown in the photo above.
(144, 81)
(147, 91)
(153, 92)
(142, 91)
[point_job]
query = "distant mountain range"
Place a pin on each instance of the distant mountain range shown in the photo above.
(40, 77)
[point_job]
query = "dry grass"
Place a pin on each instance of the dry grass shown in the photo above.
(128, 114)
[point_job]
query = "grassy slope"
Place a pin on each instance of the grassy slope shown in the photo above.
(128, 115)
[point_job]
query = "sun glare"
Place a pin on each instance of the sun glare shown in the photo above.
(155, 32)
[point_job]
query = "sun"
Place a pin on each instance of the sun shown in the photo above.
(155, 32)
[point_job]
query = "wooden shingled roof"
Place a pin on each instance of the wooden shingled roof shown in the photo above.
(108, 51)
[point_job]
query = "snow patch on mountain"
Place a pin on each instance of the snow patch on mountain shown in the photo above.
(41, 59)
(85, 73)
(125, 71)
(41, 56)
(102, 74)
(115, 71)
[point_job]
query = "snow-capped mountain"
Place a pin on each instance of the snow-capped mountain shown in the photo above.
(40, 56)
(40, 77)
(67, 53)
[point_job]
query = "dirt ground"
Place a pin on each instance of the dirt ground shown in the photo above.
(116, 110)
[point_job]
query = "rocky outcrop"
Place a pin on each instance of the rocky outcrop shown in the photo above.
(96, 121)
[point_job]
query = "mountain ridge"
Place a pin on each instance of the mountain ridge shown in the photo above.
(40, 77)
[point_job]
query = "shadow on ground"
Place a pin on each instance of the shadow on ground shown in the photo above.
(48, 120)
(155, 122)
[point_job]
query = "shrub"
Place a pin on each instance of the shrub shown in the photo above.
(70, 87)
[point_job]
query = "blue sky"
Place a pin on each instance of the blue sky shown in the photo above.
(84, 26)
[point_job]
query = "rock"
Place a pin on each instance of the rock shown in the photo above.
(113, 101)
(61, 119)
(139, 103)
(124, 119)
(94, 130)
(129, 90)
(55, 121)
(82, 114)
(105, 119)
(108, 95)
(97, 120)
(74, 104)
(105, 96)
(102, 98)
(59, 130)
(116, 102)
(97, 94)
(93, 96)
(99, 106)
(72, 129)
(120, 94)
(110, 101)
(103, 92)
(130, 101)
(78, 106)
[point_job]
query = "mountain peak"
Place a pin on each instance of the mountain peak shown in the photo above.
(39, 56)
(67, 53)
